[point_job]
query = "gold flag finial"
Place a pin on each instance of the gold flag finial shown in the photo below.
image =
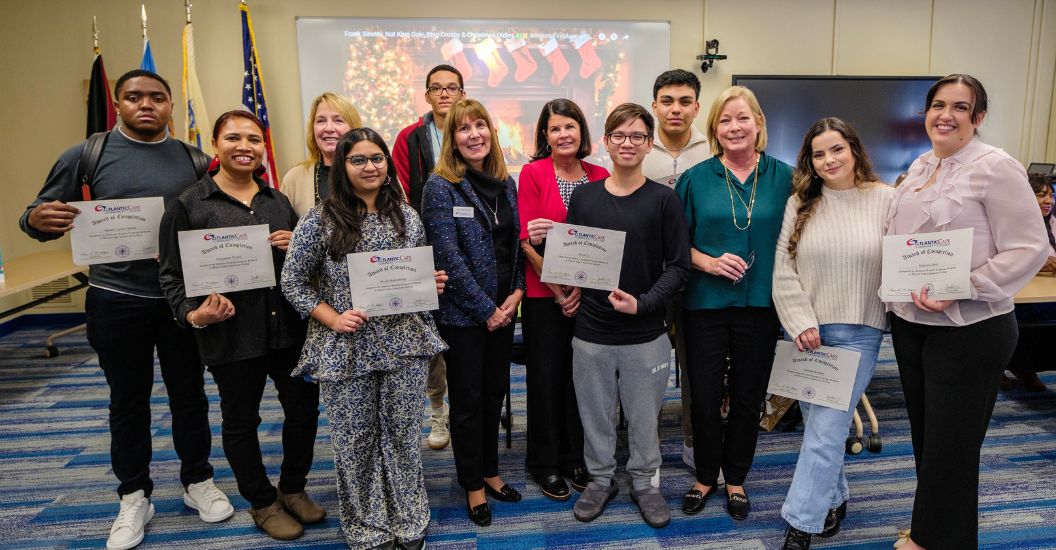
(95, 36)
(143, 17)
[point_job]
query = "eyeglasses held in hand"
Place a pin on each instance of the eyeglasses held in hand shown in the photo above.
(439, 90)
(636, 139)
(360, 161)
(749, 260)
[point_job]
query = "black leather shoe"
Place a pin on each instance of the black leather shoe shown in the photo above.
(416, 544)
(796, 539)
(579, 478)
(737, 505)
(693, 501)
(479, 514)
(505, 494)
(553, 487)
(833, 519)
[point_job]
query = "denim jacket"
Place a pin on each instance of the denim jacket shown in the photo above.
(463, 247)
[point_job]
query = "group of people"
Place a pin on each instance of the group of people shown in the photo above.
(725, 247)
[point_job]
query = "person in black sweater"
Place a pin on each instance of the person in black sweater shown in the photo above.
(620, 349)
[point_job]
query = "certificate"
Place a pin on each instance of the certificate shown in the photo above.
(939, 262)
(393, 281)
(824, 376)
(583, 256)
(227, 259)
(118, 230)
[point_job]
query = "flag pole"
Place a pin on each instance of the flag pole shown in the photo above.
(143, 17)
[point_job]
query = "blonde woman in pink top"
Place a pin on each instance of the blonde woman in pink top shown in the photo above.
(951, 353)
(555, 434)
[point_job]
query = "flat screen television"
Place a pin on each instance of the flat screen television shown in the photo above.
(887, 112)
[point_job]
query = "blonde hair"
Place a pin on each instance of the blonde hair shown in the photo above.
(735, 92)
(451, 166)
(343, 107)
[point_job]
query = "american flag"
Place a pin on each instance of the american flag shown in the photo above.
(253, 94)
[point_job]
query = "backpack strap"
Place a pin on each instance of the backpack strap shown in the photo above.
(199, 159)
(90, 155)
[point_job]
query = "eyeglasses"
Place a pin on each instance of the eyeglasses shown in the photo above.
(439, 90)
(749, 260)
(636, 139)
(360, 161)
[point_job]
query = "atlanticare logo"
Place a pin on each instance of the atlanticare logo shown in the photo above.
(821, 354)
(581, 235)
(389, 259)
(117, 209)
(930, 242)
(226, 238)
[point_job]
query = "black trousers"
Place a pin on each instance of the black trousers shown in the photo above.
(748, 336)
(555, 433)
(241, 386)
(478, 375)
(124, 331)
(950, 377)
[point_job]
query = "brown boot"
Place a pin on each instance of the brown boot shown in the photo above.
(274, 521)
(301, 507)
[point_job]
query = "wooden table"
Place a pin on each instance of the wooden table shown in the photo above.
(24, 273)
(1040, 289)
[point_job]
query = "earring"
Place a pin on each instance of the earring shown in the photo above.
(548, 149)
(388, 180)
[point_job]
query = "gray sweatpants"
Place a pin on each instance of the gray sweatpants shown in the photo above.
(643, 371)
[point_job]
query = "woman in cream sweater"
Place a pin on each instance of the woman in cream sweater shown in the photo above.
(308, 183)
(826, 276)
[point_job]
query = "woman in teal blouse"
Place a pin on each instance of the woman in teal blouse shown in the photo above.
(733, 204)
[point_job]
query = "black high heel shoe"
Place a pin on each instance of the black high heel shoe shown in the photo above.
(505, 494)
(479, 514)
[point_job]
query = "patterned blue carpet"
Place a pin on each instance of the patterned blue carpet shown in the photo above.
(56, 488)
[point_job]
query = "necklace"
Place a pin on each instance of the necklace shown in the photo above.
(318, 168)
(748, 206)
(494, 211)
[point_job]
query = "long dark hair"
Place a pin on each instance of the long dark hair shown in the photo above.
(563, 107)
(807, 184)
(1040, 184)
(344, 211)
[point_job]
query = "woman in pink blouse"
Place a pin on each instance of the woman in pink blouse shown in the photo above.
(555, 435)
(951, 353)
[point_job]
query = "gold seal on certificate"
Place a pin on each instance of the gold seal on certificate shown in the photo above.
(393, 281)
(824, 376)
(939, 262)
(582, 256)
(227, 259)
(118, 230)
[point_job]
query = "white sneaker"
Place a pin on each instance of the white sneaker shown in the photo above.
(211, 503)
(127, 530)
(439, 435)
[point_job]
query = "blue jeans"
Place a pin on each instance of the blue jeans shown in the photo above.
(819, 482)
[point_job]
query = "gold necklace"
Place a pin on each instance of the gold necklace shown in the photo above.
(750, 205)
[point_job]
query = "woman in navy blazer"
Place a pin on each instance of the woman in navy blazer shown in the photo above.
(469, 207)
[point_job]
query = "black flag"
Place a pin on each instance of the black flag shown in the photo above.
(101, 115)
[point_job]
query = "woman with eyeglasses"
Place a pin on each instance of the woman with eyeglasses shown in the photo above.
(733, 204)
(469, 207)
(371, 370)
(308, 183)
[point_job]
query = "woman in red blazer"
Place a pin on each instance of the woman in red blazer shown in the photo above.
(555, 435)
